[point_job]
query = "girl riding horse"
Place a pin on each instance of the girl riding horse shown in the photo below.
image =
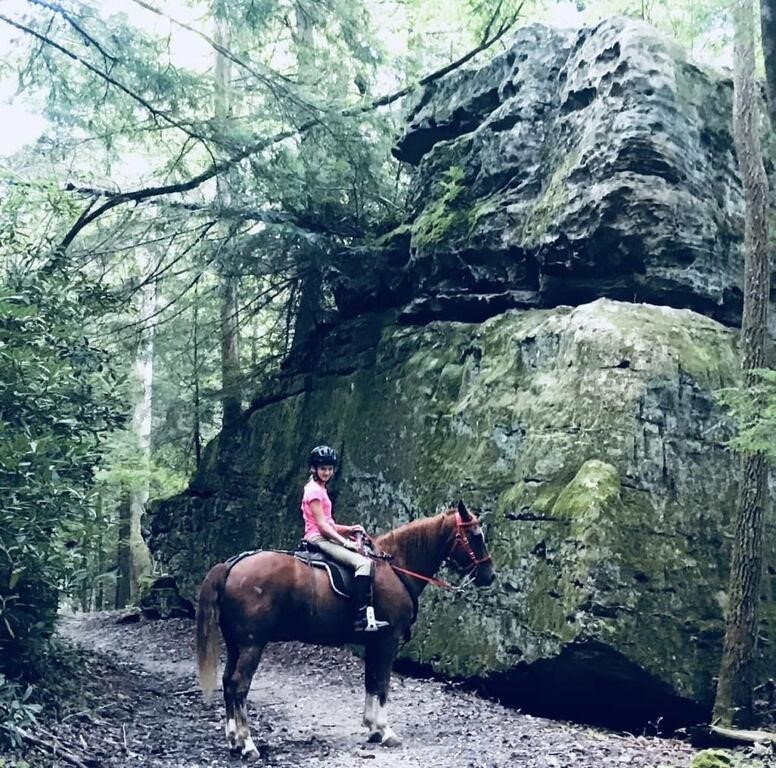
(272, 596)
(322, 533)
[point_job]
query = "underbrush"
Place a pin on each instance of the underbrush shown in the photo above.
(50, 689)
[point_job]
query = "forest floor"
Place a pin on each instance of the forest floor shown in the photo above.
(135, 702)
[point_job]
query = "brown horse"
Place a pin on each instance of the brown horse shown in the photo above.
(271, 596)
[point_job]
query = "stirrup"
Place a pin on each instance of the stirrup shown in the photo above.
(368, 622)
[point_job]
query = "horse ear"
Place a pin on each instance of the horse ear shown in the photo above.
(463, 512)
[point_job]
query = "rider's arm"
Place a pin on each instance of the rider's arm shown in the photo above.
(349, 528)
(328, 527)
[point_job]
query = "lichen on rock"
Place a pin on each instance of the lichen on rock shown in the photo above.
(589, 440)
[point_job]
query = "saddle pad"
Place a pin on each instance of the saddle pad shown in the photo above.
(340, 578)
(234, 559)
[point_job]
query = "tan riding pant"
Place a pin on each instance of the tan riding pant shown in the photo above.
(360, 564)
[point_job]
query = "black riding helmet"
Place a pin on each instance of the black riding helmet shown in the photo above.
(323, 456)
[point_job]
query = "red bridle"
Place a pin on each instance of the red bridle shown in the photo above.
(462, 540)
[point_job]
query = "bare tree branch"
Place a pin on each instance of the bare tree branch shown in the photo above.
(267, 79)
(65, 15)
(146, 193)
(390, 98)
(157, 113)
(491, 21)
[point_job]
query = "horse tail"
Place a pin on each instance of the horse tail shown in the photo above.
(208, 645)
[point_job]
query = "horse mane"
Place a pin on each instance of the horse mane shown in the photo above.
(416, 541)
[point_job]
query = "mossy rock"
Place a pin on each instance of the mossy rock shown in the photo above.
(588, 437)
(713, 758)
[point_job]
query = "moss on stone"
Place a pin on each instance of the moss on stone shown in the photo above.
(713, 758)
(594, 489)
(552, 200)
(444, 215)
(389, 237)
(589, 436)
(480, 210)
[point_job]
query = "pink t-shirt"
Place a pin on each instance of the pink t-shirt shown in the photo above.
(313, 491)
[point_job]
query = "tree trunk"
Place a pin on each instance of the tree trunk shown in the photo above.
(141, 422)
(768, 29)
(309, 308)
(197, 427)
(311, 282)
(231, 394)
(123, 554)
(99, 594)
(733, 704)
(230, 354)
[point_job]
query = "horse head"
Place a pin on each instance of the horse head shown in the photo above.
(469, 552)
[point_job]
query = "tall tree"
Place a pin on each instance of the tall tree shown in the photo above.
(733, 703)
(134, 559)
(768, 36)
(141, 418)
(311, 280)
(231, 397)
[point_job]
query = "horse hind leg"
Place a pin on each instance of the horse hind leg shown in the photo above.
(230, 687)
(377, 667)
(241, 677)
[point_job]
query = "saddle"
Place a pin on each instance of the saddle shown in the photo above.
(340, 577)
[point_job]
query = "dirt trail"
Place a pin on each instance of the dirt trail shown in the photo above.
(306, 703)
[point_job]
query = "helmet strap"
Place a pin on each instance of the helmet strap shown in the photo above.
(316, 476)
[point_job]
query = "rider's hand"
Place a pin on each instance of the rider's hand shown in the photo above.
(356, 529)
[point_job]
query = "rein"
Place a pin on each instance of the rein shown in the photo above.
(429, 579)
(460, 540)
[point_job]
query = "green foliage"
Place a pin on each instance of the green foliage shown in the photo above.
(57, 402)
(17, 710)
(125, 466)
(714, 758)
(753, 410)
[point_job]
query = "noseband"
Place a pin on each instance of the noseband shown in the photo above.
(462, 540)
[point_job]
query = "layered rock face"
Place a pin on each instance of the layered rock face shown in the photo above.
(572, 171)
(587, 438)
(572, 166)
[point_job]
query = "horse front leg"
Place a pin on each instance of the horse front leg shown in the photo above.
(378, 662)
(240, 684)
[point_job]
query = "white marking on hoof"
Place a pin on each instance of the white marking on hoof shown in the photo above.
(249, 751)
(231, 735)
(369, 711)
(390, 739)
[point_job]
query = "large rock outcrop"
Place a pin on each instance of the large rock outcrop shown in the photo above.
(587, 437)
(576, 168)
(572, 166)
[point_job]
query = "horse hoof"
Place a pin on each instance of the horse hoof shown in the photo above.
(252, 757)
(375, 737)
(390, 740)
